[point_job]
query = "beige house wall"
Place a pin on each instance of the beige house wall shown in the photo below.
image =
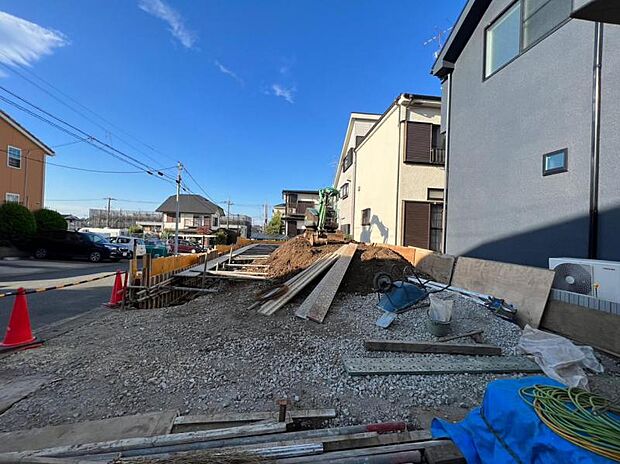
(384, 181)
(377, 180)
(359, 125)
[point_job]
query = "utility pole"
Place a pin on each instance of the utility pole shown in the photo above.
(176, 225)
(228, 203)
(265, 223)
(107, 222)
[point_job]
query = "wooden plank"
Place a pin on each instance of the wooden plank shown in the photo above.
(379, 440)
(141, 425)
(527, 288)
(439, 266)
(430, 347)
(298, 282)
(316, 305)
(432, 366)
(115, 446)
(299, 414)
(589, 326)
(14, 390)
(212, 263)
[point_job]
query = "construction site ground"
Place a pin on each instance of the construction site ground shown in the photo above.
(213, 355)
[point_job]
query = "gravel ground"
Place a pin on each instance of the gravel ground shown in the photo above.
(213, 355)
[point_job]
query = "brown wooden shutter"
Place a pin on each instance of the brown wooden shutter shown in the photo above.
(417, 224)
(418, 147)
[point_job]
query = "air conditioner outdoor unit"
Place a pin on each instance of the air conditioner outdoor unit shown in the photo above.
(600, 279)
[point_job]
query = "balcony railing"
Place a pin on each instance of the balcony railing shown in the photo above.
(438, 156)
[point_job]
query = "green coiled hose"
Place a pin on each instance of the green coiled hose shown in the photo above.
(586, 420)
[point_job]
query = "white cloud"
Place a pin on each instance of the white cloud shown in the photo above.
(288, 93)
(165, 12)
(225, 70)
(23, 42)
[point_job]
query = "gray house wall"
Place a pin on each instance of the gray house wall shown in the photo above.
(609, 189)
(500, 205)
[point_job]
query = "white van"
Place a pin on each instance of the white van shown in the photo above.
(135, 244)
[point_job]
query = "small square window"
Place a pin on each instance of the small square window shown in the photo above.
(366, 217)
(555, 162)
(344, 191)
(12, 198)
(14, 157)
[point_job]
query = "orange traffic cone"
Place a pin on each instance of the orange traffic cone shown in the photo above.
(117, 292)
(19, 332)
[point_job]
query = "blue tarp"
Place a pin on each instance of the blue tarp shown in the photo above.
(526, 439)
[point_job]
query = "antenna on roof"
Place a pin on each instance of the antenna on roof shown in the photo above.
(438, 37)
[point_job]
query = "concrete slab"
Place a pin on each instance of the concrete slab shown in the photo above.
(14, 390)
(432, 366)
(140, 425)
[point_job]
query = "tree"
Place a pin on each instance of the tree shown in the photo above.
(49, 220)
(275, 224)
(16, 223)
(135, 229)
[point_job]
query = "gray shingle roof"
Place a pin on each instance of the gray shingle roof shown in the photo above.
(195, 204)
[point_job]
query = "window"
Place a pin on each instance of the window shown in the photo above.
(346, 229)
(366, 217)
(555, 162)
(215, 221)
(541, 17)
(434, 194)
(520, 27)
(348, 160)
(14, 157)
(12, 197)
(502, 40)
(344, 190)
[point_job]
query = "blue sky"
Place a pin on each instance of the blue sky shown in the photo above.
(253, 96)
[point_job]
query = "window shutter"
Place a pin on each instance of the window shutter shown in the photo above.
(417, 224)
(418, 147)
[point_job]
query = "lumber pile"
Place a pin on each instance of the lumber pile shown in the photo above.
(297, 283)
(316, 306)
(264, 440)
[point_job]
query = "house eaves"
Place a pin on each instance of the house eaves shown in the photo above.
(353, 118)
(17, 126)
(408, 99)
(465, 26)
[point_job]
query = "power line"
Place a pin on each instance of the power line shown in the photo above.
(86, 137)
(12, 69)
(196, 182)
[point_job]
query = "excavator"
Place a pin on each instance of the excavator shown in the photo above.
(322, 223)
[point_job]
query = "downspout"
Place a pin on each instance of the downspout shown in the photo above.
(444, 219)
(401, 135)
(596, 141)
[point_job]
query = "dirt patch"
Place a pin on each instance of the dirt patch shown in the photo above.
(294, 256)
(297, 254)
(367, 262)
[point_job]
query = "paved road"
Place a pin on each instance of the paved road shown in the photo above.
(54, 305)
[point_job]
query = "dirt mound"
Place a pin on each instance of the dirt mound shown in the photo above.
(294, 256)
(367, 262)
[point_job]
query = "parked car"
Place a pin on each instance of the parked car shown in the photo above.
(185, 246)
(134, 244)
(67, 244)
(156, 248)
